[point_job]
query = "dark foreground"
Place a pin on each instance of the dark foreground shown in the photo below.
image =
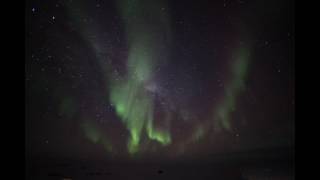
(269, 165)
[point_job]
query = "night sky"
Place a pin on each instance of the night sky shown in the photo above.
(133, 79)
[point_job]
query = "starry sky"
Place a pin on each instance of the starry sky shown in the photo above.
(126, 79)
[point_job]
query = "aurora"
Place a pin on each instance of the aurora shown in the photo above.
(159, 89)
(142, 103)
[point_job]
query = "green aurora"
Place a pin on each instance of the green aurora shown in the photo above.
(133, 104)
(233, 89)
(148, 37)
